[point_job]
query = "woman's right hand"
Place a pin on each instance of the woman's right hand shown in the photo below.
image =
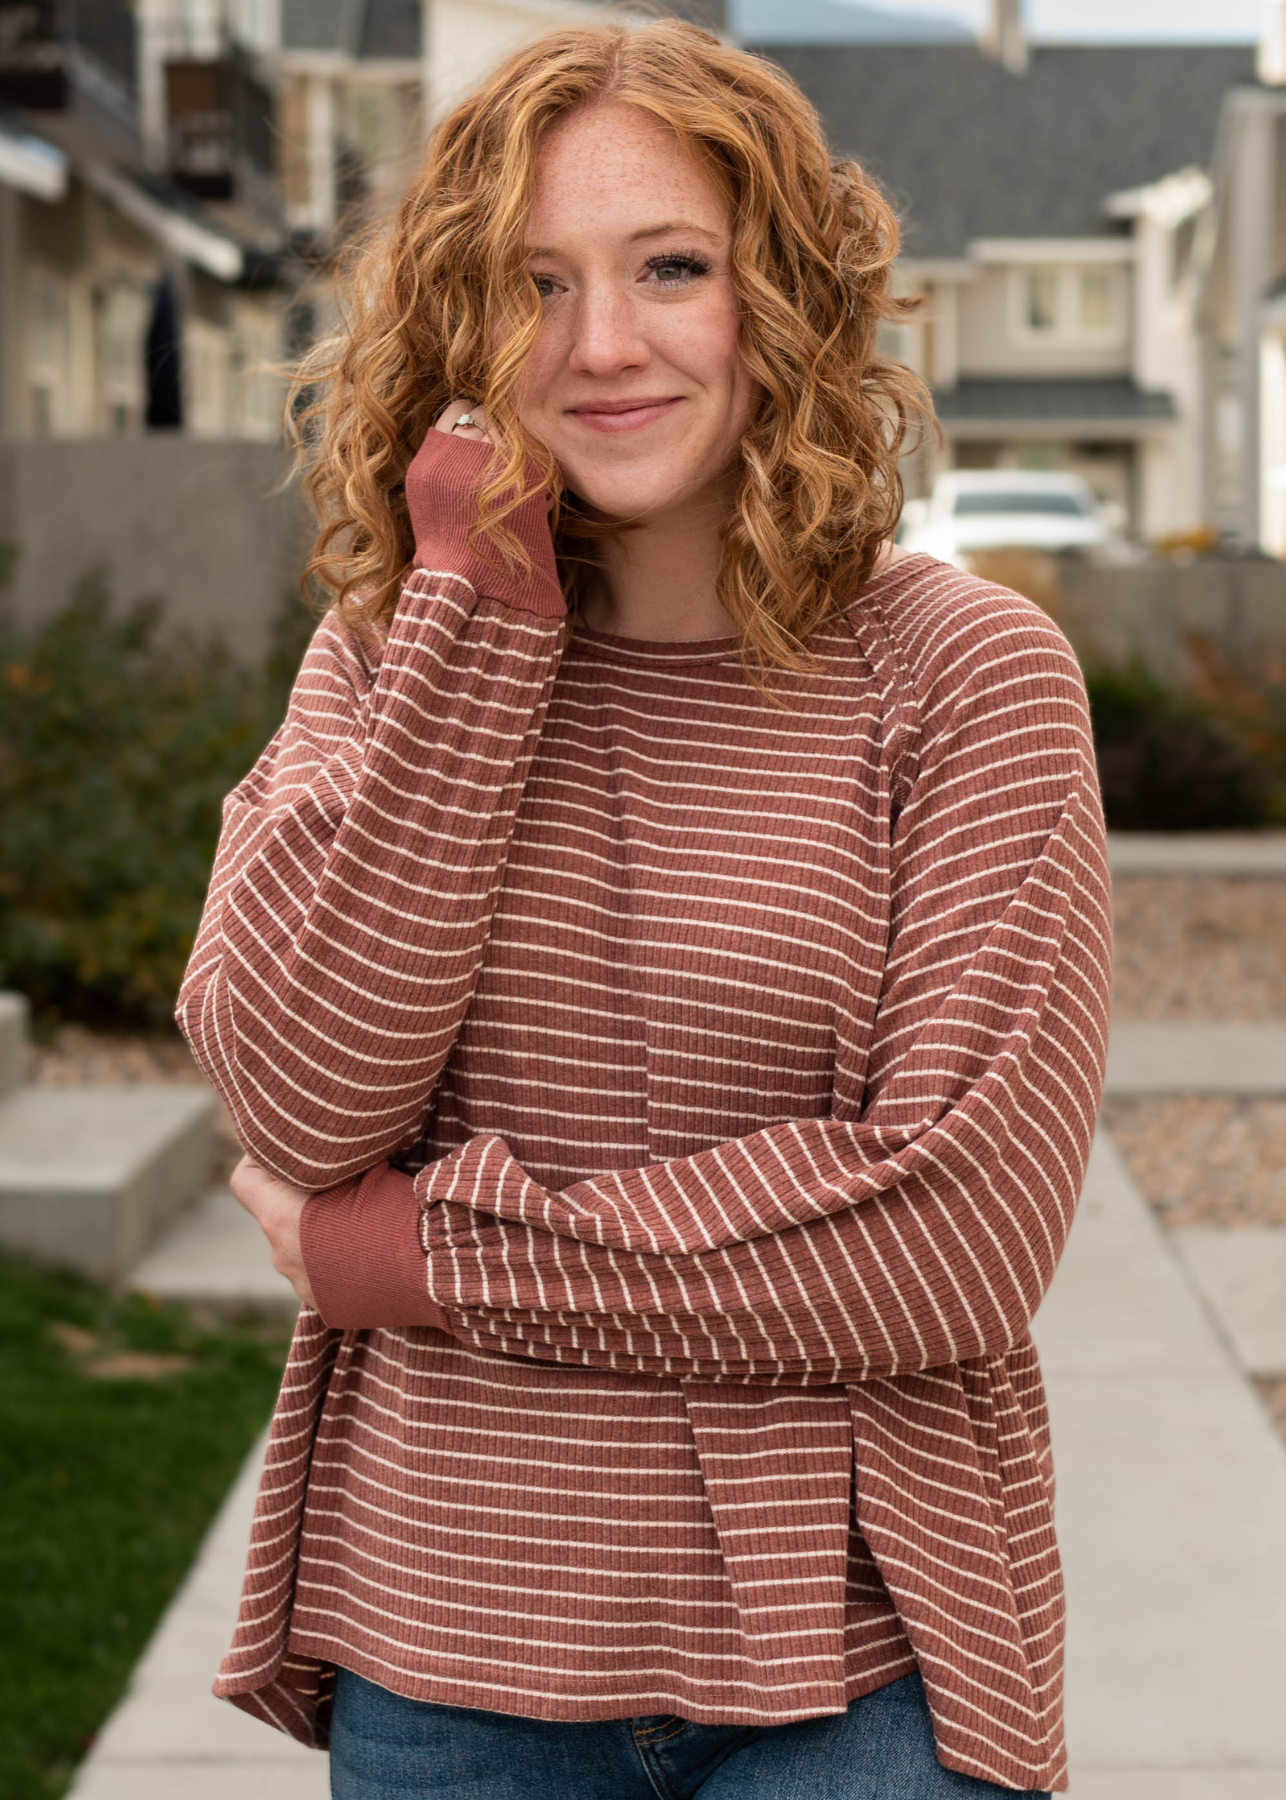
(449, 421)
(442, 502)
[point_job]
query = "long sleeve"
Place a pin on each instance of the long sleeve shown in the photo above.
(360, 859)
(923, 1231)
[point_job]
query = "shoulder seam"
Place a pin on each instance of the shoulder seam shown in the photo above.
(904, 730)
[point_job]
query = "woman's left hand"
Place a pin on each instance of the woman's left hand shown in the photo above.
(277, 1208)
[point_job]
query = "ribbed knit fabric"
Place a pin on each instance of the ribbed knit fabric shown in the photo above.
(749, 1056)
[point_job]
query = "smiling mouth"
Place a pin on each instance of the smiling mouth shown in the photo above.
(614, 416)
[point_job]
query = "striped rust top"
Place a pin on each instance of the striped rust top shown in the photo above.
(737, 1063)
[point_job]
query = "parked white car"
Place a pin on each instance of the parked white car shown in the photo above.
(1009, 509)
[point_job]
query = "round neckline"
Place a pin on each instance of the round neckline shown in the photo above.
(680, 649)
(717, 648)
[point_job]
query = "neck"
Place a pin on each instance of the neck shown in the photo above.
(659, 581)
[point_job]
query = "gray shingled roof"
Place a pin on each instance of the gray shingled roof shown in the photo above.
(967, 150)
(1026, 398)
(363, 28)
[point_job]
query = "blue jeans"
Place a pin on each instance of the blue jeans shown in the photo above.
(383, 1747)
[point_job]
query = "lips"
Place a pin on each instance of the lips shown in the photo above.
(614, 416)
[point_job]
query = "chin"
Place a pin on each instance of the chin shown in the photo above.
(631, 504)
(633, 494)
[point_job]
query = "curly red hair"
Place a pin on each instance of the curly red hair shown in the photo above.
(439, 303)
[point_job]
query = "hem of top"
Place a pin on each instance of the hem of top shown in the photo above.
(576, 1709)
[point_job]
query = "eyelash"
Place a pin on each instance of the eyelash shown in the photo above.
(687, 260)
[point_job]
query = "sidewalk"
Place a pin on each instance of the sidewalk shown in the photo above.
(1172, 1519)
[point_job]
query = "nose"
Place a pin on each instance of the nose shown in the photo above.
(607, 339)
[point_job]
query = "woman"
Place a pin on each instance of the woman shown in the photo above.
(665, 1036)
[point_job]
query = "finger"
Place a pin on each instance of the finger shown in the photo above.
(449, 421)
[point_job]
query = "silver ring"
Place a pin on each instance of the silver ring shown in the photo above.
(465, 419)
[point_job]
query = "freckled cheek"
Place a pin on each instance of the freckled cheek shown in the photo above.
(706, 346)
(539, 381)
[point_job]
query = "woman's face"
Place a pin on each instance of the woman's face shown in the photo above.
(635, 381)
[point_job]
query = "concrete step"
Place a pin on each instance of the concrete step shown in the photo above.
(217, 1256)
(1178, 1058)
(1241, 1276)
(1237, 853)
(89, 1175)
(13, 1042)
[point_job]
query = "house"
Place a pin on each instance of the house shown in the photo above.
(1242, 304)
(176, 177)
(176, 174)
(1053, 200)
(126, 301)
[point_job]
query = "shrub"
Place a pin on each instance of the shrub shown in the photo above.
(1171, 763)
(117, 744)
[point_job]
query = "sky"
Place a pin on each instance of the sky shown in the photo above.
(1133, 21)
(1095, 21)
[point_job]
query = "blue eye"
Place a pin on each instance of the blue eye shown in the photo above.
(544, 285)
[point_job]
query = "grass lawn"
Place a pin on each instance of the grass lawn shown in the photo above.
(122, 1425)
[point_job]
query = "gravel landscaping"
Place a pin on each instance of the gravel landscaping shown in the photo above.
(1205, 1161)
(1200, 948)
(77, 1057)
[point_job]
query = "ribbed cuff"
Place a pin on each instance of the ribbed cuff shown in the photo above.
(442, 486)
(361, 1249)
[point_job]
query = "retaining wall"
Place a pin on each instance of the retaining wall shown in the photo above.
(1168, 616)
(204, 527)
(207, 528)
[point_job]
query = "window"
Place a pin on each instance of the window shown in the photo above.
(1071, 304)
(122, 329)
(1097, 292)
(208, 350)
(1042, 299)
(893, 341)
(1018, 500)
(49, 370)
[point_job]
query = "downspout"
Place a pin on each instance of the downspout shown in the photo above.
(1252, 249)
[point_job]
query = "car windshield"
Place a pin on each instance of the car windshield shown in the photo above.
(1019, 500)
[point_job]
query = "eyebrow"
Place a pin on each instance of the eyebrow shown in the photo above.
(646, 231)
